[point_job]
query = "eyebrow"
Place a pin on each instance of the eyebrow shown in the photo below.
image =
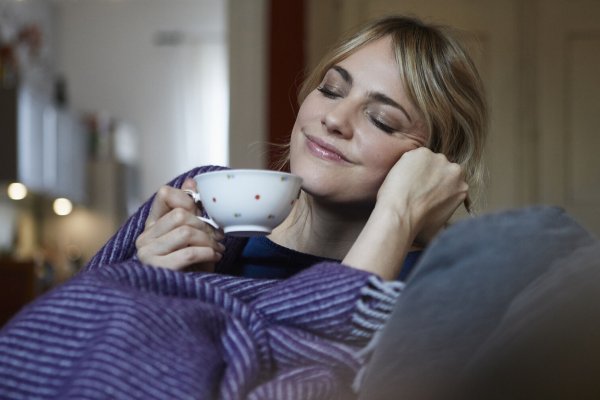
(344, 73)
(376, 96)
(382, 98)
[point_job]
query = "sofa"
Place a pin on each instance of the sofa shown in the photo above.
(502, 306)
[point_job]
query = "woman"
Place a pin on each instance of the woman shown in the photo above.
(389, 132)
(388, 137)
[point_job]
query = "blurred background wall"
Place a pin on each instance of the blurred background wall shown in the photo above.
(145, 89)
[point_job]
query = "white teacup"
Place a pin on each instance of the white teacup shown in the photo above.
(246, 202)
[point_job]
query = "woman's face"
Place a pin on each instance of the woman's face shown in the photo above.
(352, 129)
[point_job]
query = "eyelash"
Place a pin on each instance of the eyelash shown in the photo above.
(327, 92)
(380, 125)
(384, 127)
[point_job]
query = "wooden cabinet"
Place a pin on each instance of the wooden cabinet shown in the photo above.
(17, 287)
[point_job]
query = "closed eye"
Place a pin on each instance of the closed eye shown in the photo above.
(328, 92)
(381, 125)
(377, 118)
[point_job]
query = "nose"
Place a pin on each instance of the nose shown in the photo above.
(338, 118)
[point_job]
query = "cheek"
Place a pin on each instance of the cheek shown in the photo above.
(295, 149)
(310, 108)
(306, 118)
(382, 156)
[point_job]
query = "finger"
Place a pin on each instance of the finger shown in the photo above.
(180, 217)
(181, 237)
(189, 184)
(186, 257)
(174, 243)
(167, 199)
(173, 219)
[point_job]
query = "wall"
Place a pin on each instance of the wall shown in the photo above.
(109, 55)
(247, 27)
(539, 63)
(131, 60)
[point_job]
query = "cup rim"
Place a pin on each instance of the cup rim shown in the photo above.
(246, 171)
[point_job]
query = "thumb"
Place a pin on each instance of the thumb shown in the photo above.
(189, 183)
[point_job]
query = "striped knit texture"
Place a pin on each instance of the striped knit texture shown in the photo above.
(123, 330)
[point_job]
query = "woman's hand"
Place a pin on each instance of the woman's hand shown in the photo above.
(426, 189)
(418, 196)
(174, 237)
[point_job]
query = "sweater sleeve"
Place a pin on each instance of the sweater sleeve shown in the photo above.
(331, 300)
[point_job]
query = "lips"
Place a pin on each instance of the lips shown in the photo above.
(323, 150)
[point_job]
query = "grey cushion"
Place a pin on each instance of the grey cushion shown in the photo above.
(548, 343)
(460, 295)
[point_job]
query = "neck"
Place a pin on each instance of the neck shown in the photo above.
(321, 229)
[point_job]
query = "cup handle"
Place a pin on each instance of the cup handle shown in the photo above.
(196, 197)
(209, 221)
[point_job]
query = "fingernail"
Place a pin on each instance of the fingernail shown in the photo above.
(221, 247)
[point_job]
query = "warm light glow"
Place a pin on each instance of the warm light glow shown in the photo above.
(17, 191)
(62, 206)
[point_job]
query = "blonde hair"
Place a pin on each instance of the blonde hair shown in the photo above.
(441, 80)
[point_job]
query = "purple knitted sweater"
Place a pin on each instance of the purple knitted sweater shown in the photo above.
(123, 330)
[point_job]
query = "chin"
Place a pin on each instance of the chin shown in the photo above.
(338, 190)
(314, 182)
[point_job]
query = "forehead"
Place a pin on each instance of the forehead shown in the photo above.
(374, 64)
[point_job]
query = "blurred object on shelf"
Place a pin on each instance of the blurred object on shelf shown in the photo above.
(8, 66)
(22, 49)
(45, 276)
(126, 143)
(61, 93)
(100, 132)
(114, 183)
(75, 258)
(31, 38)
(8, 218)
(110, 139)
